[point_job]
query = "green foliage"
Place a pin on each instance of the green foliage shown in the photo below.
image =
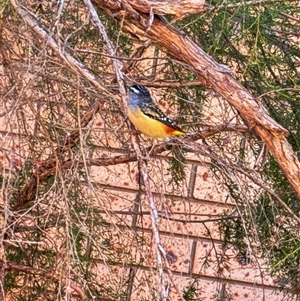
(3, 5)
(67, 228)
(261, 44)
(177, 165)
(191, 292)
(280, 242)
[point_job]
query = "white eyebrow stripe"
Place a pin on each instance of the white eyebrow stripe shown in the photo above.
(134, 90)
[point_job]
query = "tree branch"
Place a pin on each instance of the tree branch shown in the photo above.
(179, 8)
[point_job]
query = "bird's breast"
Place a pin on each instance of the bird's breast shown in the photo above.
(151, 127)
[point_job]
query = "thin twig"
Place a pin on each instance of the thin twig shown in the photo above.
(155, 227)
(110, 47)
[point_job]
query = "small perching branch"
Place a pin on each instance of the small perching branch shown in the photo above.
(143, 166)
(155, 229)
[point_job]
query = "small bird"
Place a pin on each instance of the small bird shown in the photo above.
(147, 117)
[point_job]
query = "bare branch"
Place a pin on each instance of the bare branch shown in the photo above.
(155, 228)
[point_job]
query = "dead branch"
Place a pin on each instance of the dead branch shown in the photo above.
(109, 46)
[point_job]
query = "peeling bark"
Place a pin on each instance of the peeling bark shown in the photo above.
(178, 8)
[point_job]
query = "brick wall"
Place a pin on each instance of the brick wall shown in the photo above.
(125, 258)
(188, 242)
